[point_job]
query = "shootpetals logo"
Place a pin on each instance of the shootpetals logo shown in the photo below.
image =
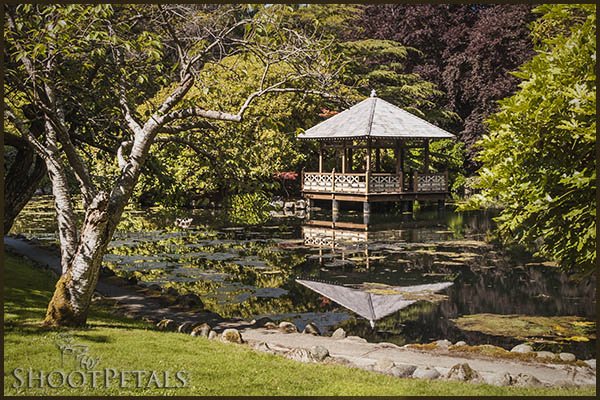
(79, 368)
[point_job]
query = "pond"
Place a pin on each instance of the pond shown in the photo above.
(253, 271)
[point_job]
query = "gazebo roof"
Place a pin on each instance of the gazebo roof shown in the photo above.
(376, 118)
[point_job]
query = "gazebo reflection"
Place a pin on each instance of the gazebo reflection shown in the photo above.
(374, 301)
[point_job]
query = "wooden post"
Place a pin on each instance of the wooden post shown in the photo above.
(398, 155)
(368, 166)
(416, 181)
(377, 159)
(426, 156)
(344, 160)
(349, 166)
(301, 180)
(320, 157)
(333, 180)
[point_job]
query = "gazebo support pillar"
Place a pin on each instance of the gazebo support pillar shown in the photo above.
(321, 157)
(426, 157)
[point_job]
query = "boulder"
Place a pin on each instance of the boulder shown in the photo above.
(270, 325)
(460, 343)
(426, 373)
(339, 333)
(522, 348)
(166, 325)
(261, 322)
(383, 365)
(264, 347)
(356, 339)
(591, 363)
(402, 371)
(443, 344)
(544, 355)
(501, 379)
(567, 356)
(524, 380)
(319, 353)
(287, 327)
(213, 335)
(464, 372)
(298, 354)
(202, 330)
(311, 329)
(186, 327)
(231, 335)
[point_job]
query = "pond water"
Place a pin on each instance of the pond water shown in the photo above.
(251, 271)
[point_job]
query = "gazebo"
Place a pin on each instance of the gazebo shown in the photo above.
(367, 128)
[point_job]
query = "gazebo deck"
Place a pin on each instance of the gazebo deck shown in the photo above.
(374, 186)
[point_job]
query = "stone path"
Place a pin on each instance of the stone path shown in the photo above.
(134, 302)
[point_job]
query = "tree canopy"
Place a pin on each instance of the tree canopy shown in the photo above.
(538, 159)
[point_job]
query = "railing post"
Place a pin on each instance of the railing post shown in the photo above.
(416, 181)
(446, 181)
(401, 181)
(333, 180)
(367, 181)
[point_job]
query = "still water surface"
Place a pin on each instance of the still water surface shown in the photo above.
(251, 271)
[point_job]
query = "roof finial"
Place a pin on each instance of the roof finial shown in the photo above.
(373, 93)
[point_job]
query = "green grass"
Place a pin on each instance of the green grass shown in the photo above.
(213, 368)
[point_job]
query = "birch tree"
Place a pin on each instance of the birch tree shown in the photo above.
(87, 69)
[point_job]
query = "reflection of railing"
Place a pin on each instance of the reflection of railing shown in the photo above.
(431, 182)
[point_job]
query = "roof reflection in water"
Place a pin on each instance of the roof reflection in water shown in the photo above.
(374, 301)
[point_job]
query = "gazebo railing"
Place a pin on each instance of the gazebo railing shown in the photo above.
(431, 182)
(378, 183)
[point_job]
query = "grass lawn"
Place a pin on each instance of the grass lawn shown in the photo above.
(213, 368)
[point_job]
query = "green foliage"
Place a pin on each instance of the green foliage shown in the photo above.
(538, 160)
(249, 208)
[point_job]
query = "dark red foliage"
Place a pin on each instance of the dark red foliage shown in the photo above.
(467, 50)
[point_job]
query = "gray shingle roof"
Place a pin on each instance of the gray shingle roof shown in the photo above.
(375, 117)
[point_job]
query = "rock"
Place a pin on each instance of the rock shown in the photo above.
(300, 205)
(289, 205)
(262, 346)
(202, 330)
(298, 354)
(319, 353)
(213, 335)
(311, 329)
(186, 327)
(270, 325)
(464, 372)
(426, 373)
(189, 300)
(460, 343)
(166, 325)
(567, 356)
(544, 355)
(356, 339)
(502, 379)
(261, 322)
(591, 363)
(443, 344)
(287, 327)
(339, 333)
(402, 371)
(522, 348)
(231, 335)
(383, 365)
(523, 380)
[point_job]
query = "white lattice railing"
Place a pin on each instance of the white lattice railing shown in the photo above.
(431, 182)
(385, 183)
(350, 183)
